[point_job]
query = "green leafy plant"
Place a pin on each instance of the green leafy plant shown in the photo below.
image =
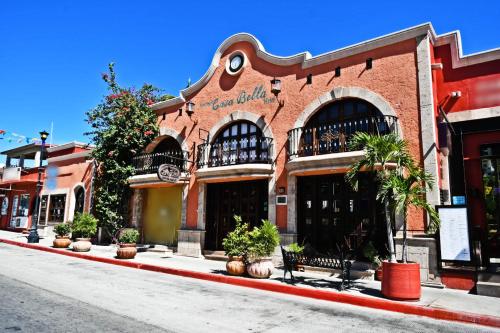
(263, 240)
(295, 248)
(128, 236)
(379, 152)
(404, 189)
(62, 229)
(236, 242)
(123, 124)
(371, 253)
(84, 225)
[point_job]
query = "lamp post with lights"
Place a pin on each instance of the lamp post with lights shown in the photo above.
(33, 235)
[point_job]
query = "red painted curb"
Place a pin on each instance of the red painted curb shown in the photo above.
(332, 296)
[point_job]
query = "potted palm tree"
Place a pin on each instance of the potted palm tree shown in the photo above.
(127, 240)
(62, 240)
(236, 246)
(263, 241)
(84, 227)
(382, 153)
(402, 185)
(406, 188)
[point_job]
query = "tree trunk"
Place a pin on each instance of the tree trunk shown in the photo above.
(390, 240)
(404, 249)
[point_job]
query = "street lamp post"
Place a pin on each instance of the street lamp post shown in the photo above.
(33, 236)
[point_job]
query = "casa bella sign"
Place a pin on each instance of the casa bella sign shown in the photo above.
(258, 94)
(169, 173)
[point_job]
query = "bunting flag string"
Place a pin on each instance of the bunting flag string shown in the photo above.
(18, 138)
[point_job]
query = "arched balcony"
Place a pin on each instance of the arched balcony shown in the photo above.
(166, 151)
(241, 142)
(323, 142)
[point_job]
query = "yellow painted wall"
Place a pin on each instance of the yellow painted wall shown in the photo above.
(162, 215)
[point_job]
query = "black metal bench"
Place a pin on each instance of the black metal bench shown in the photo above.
(291, 259)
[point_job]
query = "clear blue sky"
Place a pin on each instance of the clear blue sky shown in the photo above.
(52, 52)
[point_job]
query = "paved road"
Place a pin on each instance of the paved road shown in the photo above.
(43, 292)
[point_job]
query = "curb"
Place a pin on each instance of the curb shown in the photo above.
(326, 295)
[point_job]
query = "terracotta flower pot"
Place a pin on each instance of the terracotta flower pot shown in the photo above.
(235, 265)
(126, 251)
(401, 281)
(61, 242)
(261, 268)
(82, 245)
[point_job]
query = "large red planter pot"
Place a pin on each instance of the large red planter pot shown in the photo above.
(401, 281)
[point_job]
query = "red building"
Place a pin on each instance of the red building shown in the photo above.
(66, 178)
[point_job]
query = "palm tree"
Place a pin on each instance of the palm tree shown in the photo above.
(382, 153)
(407, 188)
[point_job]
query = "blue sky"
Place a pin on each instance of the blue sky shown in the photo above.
(52, 52)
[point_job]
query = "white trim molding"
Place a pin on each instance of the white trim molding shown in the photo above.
(475, 114)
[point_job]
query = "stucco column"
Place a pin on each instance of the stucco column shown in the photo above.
(185, 190)
(291, 226)
(427, 116)
(202, 189)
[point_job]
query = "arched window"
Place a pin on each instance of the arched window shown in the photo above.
(79, 199)
(240, 142)
(329, 129)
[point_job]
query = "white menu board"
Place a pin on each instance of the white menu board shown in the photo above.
(454, 234)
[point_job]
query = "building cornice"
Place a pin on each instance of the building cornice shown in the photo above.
(69, 145)
(68, 157)
(307, 60)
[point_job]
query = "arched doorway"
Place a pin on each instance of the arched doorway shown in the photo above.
(240, 142)
(329, 212)
(79, 200)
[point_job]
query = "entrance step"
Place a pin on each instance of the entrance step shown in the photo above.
(215, 255)
(154, 248)
(488, 284)
(488, 289)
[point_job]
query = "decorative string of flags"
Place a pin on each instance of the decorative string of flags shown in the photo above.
(15, 137)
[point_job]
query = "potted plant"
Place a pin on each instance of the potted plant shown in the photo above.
(236, 246)
(371, 253)
(402, 184)
(406, 188)
(62, 240)
(127, 244)
(263, 241)
(84, 227)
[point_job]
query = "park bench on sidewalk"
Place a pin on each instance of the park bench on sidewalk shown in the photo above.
(292, 259)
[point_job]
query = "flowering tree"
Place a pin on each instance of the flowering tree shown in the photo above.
(122, 125)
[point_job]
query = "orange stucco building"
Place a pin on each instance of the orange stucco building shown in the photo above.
(266, 136)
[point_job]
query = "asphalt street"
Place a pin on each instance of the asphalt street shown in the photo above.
(44, 292)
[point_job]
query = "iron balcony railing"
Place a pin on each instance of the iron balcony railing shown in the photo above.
(149, 163)
(334, 137)
(235, 151)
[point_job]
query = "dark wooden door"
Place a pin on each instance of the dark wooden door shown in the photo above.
(249, 199)
(330, 213)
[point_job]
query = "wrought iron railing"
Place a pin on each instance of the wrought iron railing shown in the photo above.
(149, 163)
(235, 151)
(334, 137)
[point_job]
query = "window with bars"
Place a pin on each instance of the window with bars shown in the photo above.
(56, 207)
(240, 142)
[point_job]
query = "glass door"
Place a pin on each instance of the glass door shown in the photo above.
(490, 164)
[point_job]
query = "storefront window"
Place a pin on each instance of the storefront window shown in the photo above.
(43, 210)
(5, 206)
(56, 208)
(24, 205)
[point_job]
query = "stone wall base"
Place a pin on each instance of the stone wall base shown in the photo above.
(423, 251)
(190, 242)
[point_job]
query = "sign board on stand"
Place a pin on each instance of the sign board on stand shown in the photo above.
(454, 242)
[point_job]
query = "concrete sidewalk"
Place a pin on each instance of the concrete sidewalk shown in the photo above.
(444, 299)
